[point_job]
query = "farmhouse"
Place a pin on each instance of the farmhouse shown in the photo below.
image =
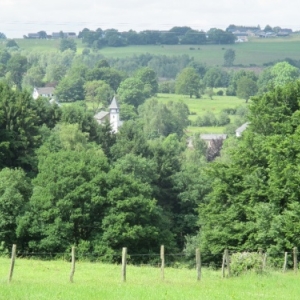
(43, 92)
(113, 116)
(210, 138)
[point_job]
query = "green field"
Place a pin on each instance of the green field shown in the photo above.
(256, 51)
(35, 279)
(200, 106)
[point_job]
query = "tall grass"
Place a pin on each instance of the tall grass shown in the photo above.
(34, 279)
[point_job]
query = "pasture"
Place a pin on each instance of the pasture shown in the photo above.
(198, 107)
(256, 52)
(36, 279)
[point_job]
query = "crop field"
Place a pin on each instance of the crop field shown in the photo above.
(255, 52)
(36, 279)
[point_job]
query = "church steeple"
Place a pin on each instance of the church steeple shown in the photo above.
(114, 115)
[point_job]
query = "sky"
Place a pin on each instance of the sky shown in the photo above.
(20, 17)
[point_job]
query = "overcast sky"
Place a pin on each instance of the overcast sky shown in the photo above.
(19, 17)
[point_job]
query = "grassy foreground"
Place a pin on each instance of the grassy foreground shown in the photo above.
(34, 279)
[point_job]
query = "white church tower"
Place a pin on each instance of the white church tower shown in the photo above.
(114, 115)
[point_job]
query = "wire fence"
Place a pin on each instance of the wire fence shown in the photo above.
(219, 262)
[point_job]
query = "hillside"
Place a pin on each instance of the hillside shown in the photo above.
(255, 52)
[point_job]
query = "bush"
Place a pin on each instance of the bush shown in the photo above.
(223, 119)
(229, 111)
(220, 93)
(242, 262)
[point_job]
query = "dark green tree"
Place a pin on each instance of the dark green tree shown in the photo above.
(229, 57)
(131, 91)
(246, 87)
(17, 66)
(188, 83)
(15, 192)
(66, 44)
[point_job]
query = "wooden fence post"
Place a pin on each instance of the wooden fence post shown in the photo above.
(162, 257)
(12, 263)
(228, 263)
(285, 262)
(198, 264)
(72, 264)
(265, 261)
(124, 262)
(226, 260)
(223, 264)
(295, 252)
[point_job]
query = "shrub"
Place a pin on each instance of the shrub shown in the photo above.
(223, 119)
(220, 93)
(242, 262)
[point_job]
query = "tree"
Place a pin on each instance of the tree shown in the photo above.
(42, 34)
(234, 78)
(70, 89)
(11, 44)
(109, 75)
(2, 36)
(216, 77)
(68, 198)
(131, 91)
(284, 73)
(4, 56)
(15, 192)
(98, 93)
(218, 36)
(19, 133)
(278, 75)
(163, 119)
(254, 201)
(33, 77)
(194, 37)
(188, 83)
(17, 66)
(149, 78)
(229, 57)
(246, 87)
(66, 44)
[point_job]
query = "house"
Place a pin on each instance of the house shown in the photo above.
(210, 138)
(43, 92)
(239, 131)
(58, 35)
(33, 36)
(113, 116)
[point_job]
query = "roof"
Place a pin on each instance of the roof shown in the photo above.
(242, 128)
(101, 115)
(213, 136)
(114, 104)
(45, 90)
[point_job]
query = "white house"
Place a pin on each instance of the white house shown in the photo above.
(43, 92)
(113, 116)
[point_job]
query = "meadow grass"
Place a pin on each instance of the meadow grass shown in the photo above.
(198, 107)
(35, 279)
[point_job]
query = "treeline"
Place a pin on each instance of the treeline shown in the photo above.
(66, 180)
(177, 35)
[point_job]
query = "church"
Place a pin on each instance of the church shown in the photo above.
(113, 116)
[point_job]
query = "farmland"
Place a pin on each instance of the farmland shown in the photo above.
(255, 52)
(35, 279)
